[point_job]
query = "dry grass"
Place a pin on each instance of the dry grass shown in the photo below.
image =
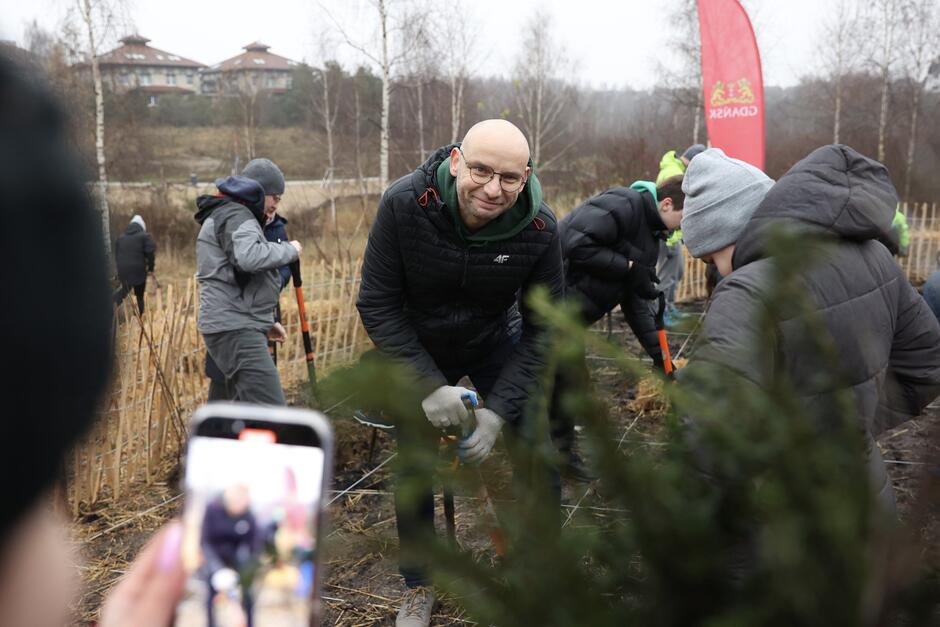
(649, 394)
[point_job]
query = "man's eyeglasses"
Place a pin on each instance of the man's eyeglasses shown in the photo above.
(509, 182)
(276, 197)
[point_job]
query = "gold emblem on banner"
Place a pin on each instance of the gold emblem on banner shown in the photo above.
(734, 92)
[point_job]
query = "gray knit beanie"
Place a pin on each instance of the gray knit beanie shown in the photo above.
(267, 174)
(721, 195)
(693, 151)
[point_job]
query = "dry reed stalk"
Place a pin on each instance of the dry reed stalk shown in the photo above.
(349, 310)
(329, 319)
(318, 338)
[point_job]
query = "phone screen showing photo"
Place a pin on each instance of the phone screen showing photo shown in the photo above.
(253, 493)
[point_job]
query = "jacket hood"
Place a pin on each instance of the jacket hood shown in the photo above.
(834, 192)
(652, 209)
(436, 176)
(132, 228)
(139, 220)
(670, 165)
(241, 189)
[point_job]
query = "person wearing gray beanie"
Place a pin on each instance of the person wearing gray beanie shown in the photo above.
(266, 172)
(721, 194)
(807, 276)
(691, 152)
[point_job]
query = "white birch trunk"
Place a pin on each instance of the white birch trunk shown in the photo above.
(386, 89)
(912, 142)
(102, 184)
(421, 147)
(837, 116)
(330, 156)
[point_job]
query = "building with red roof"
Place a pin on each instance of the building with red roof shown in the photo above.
(256, 69)
(137, 65)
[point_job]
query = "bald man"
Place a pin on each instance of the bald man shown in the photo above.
(453, 247)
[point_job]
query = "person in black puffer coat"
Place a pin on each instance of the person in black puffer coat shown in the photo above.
(134, 255)
(455, 248)
(841, 204)
(611, 244)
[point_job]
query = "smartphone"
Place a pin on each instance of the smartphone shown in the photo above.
(255, 483)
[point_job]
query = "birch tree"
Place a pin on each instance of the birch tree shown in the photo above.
(382, 55)
(839, 51)
(98, 17)
(461, 32)
(921, 48)
(542, 96)
(420, 61)
(325, 103)
(884, 22)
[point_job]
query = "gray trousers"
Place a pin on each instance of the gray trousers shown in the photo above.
(671, 268)
(250, 373)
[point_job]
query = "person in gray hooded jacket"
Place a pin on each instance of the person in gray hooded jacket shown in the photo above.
(239, 280)
(840, 203)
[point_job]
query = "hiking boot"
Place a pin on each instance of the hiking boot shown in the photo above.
(417, 605)
(575, 468)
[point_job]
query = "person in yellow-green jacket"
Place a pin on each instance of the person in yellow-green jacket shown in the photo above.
(670, 266)
(899, 228)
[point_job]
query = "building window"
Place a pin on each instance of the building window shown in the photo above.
(145, 77)
(272, 81)
(152, 100)
(290, 82)
(189, 78)
(171, 78)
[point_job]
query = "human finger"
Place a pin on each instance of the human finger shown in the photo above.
(148, 594)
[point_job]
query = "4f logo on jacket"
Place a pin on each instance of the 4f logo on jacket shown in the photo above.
(500, 258)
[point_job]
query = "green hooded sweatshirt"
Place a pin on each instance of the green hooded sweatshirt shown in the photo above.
(500, 228)
(900, 223)
(670, 165)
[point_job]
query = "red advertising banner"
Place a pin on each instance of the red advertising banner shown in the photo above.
(732, 80)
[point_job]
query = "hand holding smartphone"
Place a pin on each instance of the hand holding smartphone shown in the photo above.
(255, 482)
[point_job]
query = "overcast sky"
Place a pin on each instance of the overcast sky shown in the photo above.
(614, 42)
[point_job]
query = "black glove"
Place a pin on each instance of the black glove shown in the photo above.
(640, 281)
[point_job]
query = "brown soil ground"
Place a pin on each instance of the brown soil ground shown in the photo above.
(362, 586)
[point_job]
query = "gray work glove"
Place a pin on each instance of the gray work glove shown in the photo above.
(444, 407)
(477, 446)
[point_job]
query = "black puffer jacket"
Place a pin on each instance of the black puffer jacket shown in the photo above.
(599, 240)
(435, 302)
(134, 255)
(887, 340)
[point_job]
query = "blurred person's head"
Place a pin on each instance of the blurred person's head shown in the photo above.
(671, 201)
(691, 152)
(721, 195)
(237, 499)
(271, 179)
(55, 334)
(139, 221)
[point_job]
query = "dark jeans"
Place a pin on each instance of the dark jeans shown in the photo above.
(139, 291)
(248, 603)
(414, 513)
(570, 378)
(250, 375)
